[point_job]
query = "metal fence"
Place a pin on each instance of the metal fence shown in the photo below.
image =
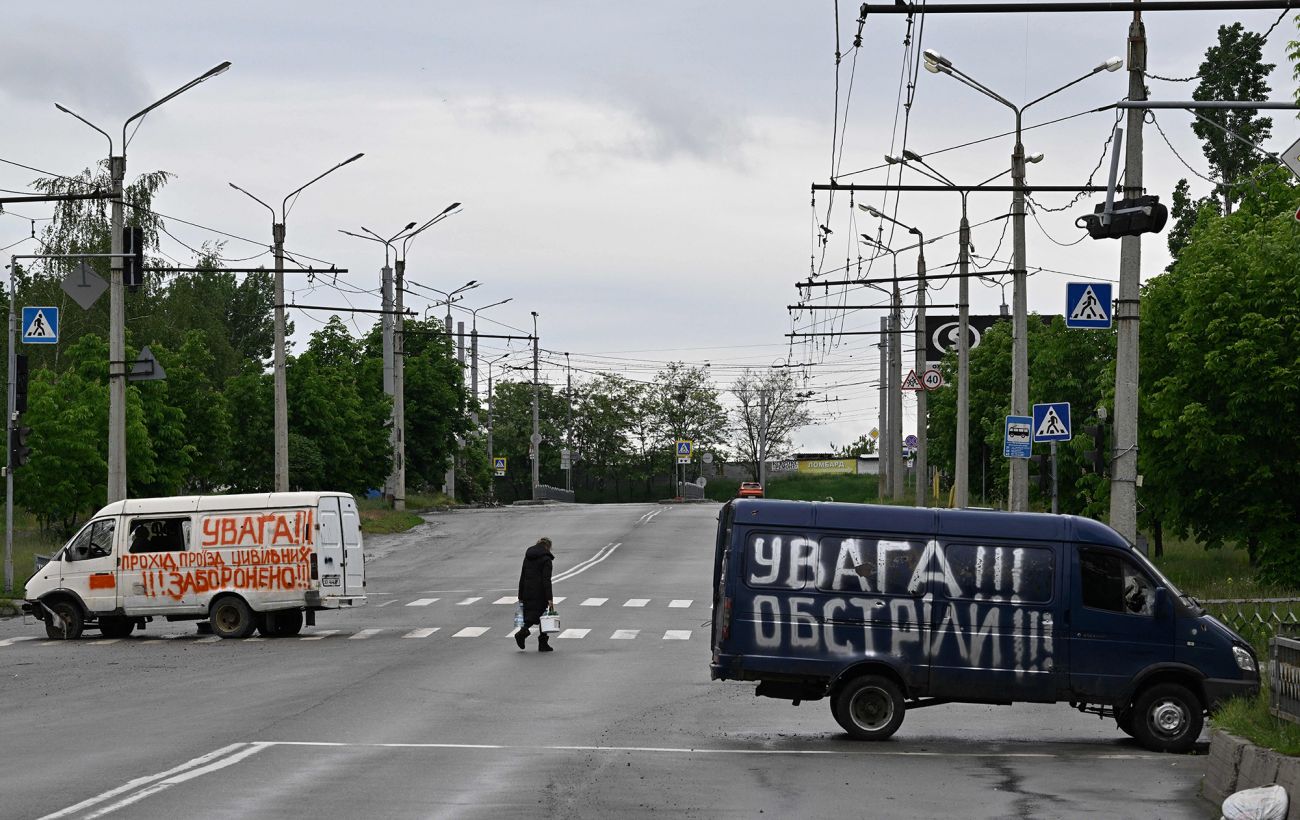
(1284, 678)
(1258, 620)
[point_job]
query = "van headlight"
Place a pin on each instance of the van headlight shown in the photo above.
(1245, 661)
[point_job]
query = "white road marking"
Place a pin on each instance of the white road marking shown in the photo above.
(320, 635)
(104, 641)
(601, 554)
(593, 602)
(573, 633)
(637, 602)
(858, 751)
(363, 634)
(624, 634)
(12, 641)
(384, 604)
(677, 635)
(557, 600)
(680, 604)
(209, 639)
(506, 599)
(421, 633)
(178, 779)
(468, 601)
(471, 632)
(422, 601)
(143, 781)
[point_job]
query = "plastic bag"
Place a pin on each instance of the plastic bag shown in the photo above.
(550, 622)
(1264, 803)
(519, 615)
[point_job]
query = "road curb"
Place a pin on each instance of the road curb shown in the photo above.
(1235, 764)
(10, 608)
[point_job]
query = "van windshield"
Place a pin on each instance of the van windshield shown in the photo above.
(1177, 593)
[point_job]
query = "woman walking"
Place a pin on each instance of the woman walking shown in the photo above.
(535, 592)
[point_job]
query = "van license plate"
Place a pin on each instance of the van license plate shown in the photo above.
(331, 580)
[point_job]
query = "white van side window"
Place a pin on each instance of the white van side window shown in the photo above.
(1002, 573)
(871, 564)
(159, 535)
(783, 560)
(1113, 583)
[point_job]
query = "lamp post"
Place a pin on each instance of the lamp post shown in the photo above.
(394, 489)
(536, 438)
(961, 461)
(922, 463)
(894, 418)
(473, 349)
(492, 485)
(117, 365)
(935, 63)
(281, 401)
(449, 480)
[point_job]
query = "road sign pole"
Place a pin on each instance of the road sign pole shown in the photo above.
(1055, 494)
(9, 415)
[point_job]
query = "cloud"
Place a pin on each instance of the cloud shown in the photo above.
(89, 70)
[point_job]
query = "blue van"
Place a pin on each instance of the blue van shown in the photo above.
(882, 609)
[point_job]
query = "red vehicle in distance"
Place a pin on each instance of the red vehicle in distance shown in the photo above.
(750, 489)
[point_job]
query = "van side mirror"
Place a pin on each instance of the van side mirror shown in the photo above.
(1162, 597)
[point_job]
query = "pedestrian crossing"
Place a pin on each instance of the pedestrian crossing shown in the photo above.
(368, 633)
(510, 600)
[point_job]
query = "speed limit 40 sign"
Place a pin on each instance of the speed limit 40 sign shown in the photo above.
(932, 379)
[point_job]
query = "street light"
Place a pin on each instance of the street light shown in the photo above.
(117, 365)
(396, 475)
(891, 391)
(936, 63)
(922, 462)
(281, 399)
(473, 348)
(536, 438)
(962, 453)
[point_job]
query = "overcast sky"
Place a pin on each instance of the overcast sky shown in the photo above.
(638, 174)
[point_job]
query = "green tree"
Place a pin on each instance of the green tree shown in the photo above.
(1185, 212)
(768, 410)
(1233, 70)
(435, 405)
(682, 403)
(604, 426)
(863, 445)
(1221, 333)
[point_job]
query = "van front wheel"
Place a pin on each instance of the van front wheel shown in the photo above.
(1167, 718)
(232, 618)
(64, 621)
(869, 708)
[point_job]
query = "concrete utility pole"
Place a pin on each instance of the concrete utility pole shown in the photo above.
(473, 349)
(568, 429)
(449, 478)
(492, 486)
(896, 393)
(390, 316)
(883, 486)
(117, 364)
(536, 439)
(1124, 455)
(281, 410)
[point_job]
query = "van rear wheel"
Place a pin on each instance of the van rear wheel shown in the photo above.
(231, 617)
(65, 621)
(1167, 718)
(282, 623)
(869, 708)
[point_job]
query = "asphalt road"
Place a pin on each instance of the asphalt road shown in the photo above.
(420, 705)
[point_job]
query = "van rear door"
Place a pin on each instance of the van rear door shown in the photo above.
(354, 562)
(329, 547)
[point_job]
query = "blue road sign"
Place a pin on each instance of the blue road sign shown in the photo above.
(40, 325)
(1088, 304)
(1052, 422)
(1017, 443)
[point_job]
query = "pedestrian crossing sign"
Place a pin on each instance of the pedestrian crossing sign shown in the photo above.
(40, 325)
(1052, 422)
(1088, 304)
(499, 464)
(684, 448)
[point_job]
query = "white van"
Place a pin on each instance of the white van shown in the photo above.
(240, 562)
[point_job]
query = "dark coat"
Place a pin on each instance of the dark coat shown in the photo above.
(535, 583)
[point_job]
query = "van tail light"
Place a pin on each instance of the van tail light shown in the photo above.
(315, 572)
(726, 618)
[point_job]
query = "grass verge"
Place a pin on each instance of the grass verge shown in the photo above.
(378, 517)
(1249, 718)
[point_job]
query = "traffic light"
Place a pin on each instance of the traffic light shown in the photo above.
(19, 452)
(1044, 463)
(20, 383)
(133, 262)
(1129, 217)
(1097, 455)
